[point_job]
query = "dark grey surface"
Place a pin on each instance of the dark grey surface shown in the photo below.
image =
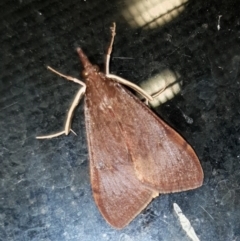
(45, 190)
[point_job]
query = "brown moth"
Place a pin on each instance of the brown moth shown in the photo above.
(134, 155)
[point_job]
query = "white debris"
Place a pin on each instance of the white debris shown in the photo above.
(218, 26)
(186, 225)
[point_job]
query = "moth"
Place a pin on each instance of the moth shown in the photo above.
(134, 155)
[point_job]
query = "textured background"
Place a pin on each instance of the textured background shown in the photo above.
(45, 191)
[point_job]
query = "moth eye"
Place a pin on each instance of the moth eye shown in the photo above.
(96, 68)
(85, 73)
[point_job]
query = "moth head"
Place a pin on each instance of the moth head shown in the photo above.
(90, 70)
(88, 67)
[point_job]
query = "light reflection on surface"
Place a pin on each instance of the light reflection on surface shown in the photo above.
(166, 80)
(152, 13)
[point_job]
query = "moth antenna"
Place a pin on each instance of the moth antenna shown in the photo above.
(131, 85)
(158, 92)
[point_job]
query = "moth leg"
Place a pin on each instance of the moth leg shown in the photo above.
(80, 93)
(109, 50)
(117, 78)
(68, 77)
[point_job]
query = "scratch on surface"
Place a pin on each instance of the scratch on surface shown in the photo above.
(8, 106)
(186, 225)
(207, 212)
(122, 57)
(19, 181)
